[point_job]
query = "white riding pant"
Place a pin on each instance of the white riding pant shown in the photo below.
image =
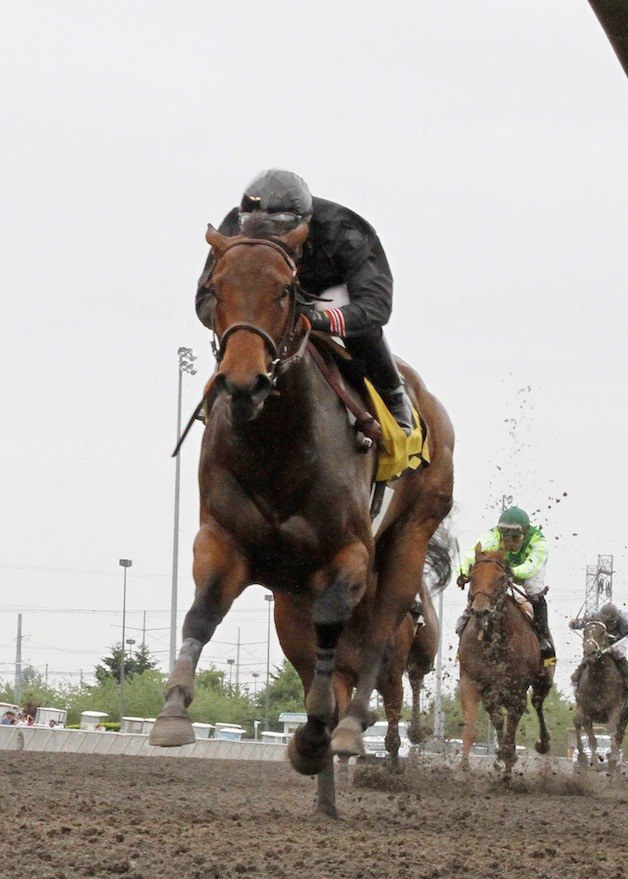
(620, 650)
(536, 584)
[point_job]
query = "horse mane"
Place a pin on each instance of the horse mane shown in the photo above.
(437, 571)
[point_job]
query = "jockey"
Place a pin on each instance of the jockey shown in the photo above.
(616, 624)
(525, 553)
(341, 251)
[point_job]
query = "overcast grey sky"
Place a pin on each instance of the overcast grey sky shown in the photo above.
(485, 141)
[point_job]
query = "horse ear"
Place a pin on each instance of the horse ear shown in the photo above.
(215, 240)
(296, 237)
(478, 551)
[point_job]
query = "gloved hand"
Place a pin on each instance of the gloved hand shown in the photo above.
(318, 319)
(462, 580)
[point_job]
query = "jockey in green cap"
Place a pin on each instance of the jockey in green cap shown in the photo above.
(525, 552)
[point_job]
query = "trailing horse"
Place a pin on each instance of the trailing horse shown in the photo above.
(600, 696)
(285, 500)
(500, 659)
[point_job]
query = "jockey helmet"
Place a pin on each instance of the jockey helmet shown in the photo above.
(514, 519)
(610, 616)
(281, 198)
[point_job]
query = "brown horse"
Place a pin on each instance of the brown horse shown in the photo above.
(600, 696)
(285, 499)
(500, 659)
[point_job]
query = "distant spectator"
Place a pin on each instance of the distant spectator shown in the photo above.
(100, 727)
(8, 718)
(52, 723)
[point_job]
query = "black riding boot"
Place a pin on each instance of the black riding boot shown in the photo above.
(541, 626)
(382, 371)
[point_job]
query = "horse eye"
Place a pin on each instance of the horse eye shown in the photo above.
(286, 291)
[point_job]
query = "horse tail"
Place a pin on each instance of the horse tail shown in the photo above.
(438, 559)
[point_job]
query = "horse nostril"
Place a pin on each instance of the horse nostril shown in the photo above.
(261, 386)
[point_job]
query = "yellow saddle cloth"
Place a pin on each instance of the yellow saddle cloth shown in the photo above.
(398, 452)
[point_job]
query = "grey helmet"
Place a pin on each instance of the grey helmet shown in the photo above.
(278, 199)
(610, 615)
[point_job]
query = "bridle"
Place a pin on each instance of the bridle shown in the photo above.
(496, 601)
(280, 361)
(588, 639)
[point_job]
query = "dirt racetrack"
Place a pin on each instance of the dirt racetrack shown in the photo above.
(71, 815)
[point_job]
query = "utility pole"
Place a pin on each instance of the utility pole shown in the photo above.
(18, 662)
(237, 678)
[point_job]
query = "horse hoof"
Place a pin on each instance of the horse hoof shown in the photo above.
(169, 732)
(346, 739)
(305, 764)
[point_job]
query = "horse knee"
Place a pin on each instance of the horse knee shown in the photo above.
(340, 586)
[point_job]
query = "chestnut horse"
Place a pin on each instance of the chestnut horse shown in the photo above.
(500, 659)
(600, 696)
(285, 499)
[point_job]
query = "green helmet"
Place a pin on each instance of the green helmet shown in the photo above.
(514, 519)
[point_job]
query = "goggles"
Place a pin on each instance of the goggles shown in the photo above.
(284, 221)
(511, 532)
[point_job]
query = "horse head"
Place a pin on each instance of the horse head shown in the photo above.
(488, 581)
(253, 287)
(595, 639)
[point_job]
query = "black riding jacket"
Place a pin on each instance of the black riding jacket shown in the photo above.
(341, 248)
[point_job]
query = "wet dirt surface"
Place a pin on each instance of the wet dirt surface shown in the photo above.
(71, 815)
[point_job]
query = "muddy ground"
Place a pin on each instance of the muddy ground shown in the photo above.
(71, 815)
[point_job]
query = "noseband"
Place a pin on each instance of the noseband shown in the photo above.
(278, 352)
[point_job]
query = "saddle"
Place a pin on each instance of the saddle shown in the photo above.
(396, 451)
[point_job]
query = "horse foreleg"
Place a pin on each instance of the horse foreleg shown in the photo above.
(415, 729)
(588, 728)
(338, 587)
(507, 749)
(393, 701)
(470, 698)
(219, 574)
(578, 720)
(540, 688)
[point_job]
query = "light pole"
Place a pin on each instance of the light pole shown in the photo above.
(255, 677)
(269, 599)
(439, 720)
(230, 663)
(125, 563)
(186, 364)
(130, 642)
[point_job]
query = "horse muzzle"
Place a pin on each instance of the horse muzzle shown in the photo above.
(247, 398)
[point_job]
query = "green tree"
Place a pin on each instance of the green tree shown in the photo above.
(285, 693)
(134, 663)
